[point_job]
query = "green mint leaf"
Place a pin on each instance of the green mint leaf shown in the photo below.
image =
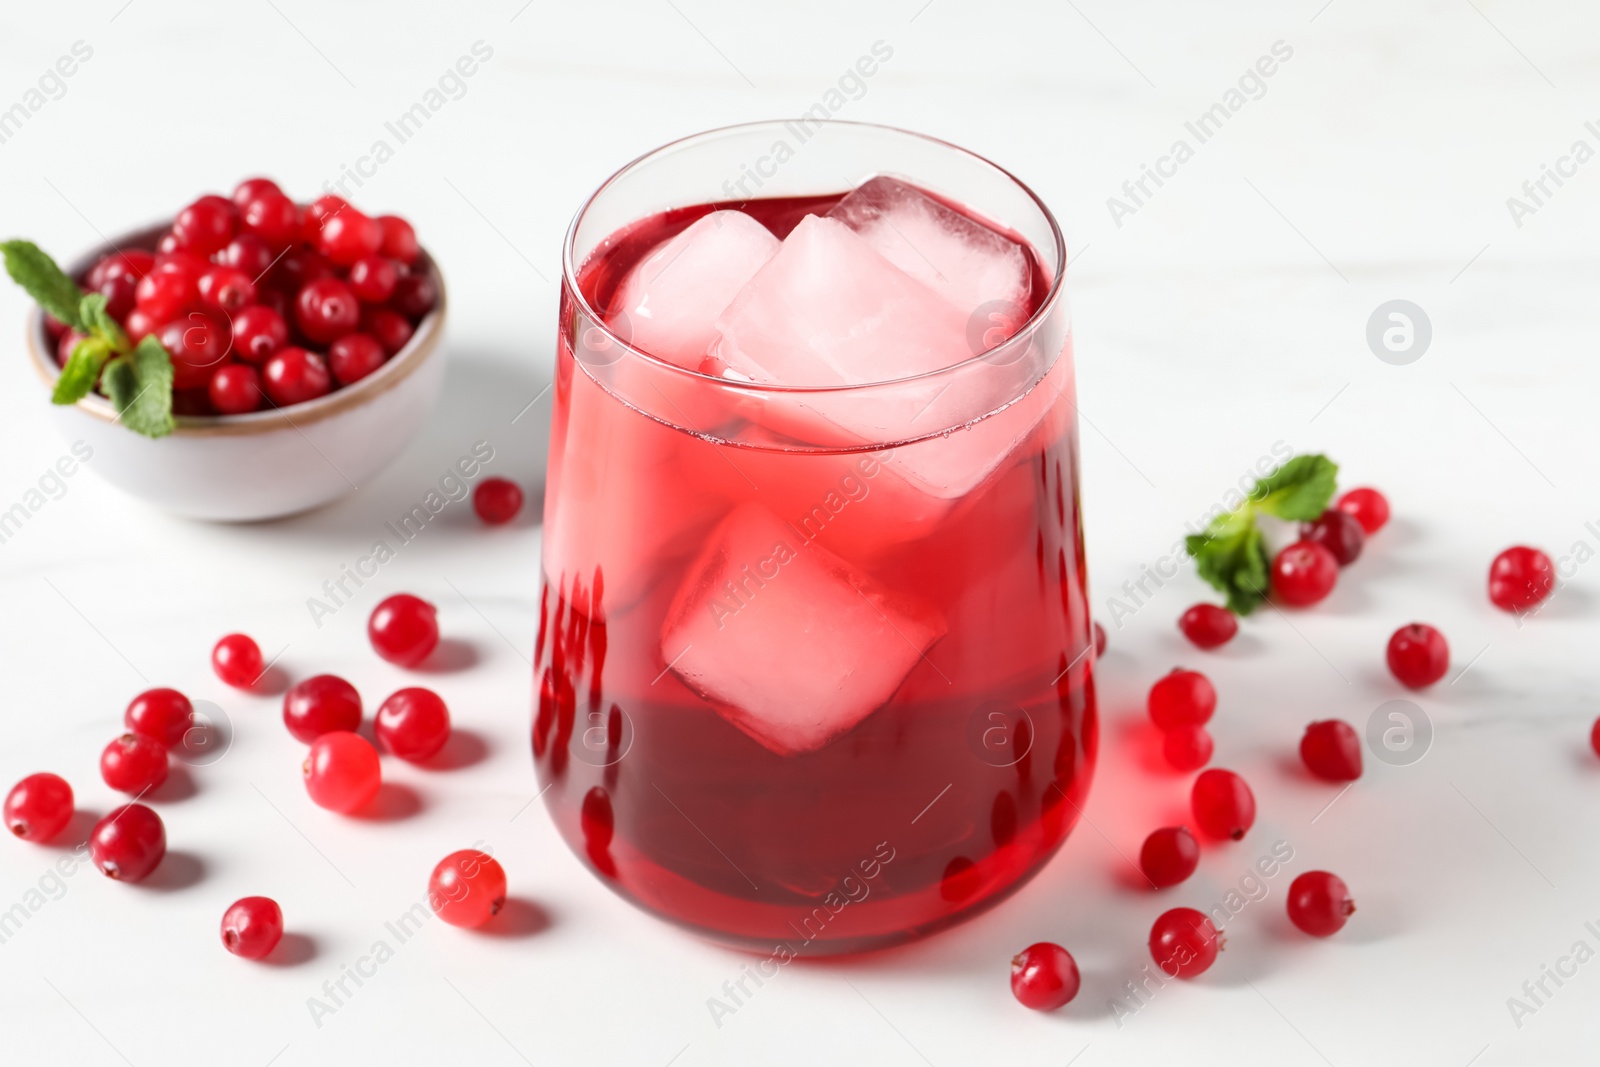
(1232, 557)
(1300, 490)
(140, 387)
(98, 321)
(49, 286)
(82, 370)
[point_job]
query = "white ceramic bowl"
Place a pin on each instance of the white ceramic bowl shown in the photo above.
(268, 463)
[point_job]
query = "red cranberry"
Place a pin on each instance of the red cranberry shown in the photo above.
(1182, 698)
(134, 763)
(64, 347)
(1594, 737)
(1222, 803)
(54, 327)
(1099, 640)
(342, 772)
(1170, 855)
(251, 188)
(372, 279)
(404, 629)
(1304, 573)
(354, 356)
(252, 927)
(237, 660)
(1337, 531)
(414, 296)
(163, 715)
(467, 888)
(258, 332)
(497, 500)
(164, 295)
(297, 268)
(139, 324)
(317, 212)
(399, 239)
(1520, 578)
(128, 843)
(1187, 748)
(1319, 903)
(413, 724)
(1044, 977)
(226, 289)
(134, 263)
(1208, 626)
(168, 243)
(321, 704)
(197, 343)
(391, 328)
(273, 218)
(1184, 943)
(326, 309)
(181, 262)
(1331, 750)
(1366, 506)
(205, 225)
(121, 292)
(235, 389)
(247, 253)
(293, 376)
(347, 236)
(1418, 655)
(39, 807)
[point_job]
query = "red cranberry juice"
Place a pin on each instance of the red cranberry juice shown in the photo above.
(806, 837)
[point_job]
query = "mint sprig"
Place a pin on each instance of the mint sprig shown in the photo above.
(137, 379)
(1231, 554)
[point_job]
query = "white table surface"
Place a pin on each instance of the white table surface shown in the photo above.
(1227, 314)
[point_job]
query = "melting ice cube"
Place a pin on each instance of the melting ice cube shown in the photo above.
(792, 644)
(672, 297)
(967, 263)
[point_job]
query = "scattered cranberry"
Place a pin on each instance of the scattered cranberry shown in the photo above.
(128, 843)
(258, 332)
(134, 763)
(251, 188)
(321, 704)
(235, 389)
(1187, 748)
(1182, 698)
(1319, 903)
(372, 279)
(252, 927)
(1099, 640)
(272, 217)
(497, 501)
(1222, 803)
(1304, 573)
(413, 724)
(1208, 626)
(204, 226)
(1521, 577)
(1184, 943)
(390, 328)
(1331, 750)
(237, 660)
(399, 239)
(354, 356)
(1169, 856)
(414, 295)
(163, 715)
(1337, 531)
(467, 888)
(1366, 506)
(1044, 977)
(342, 772)
(39, 807)
(293, 375)
(1418, 655)
(347, 236)
(404, 629)
(326, 309)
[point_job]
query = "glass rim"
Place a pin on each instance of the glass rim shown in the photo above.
(1022, 338)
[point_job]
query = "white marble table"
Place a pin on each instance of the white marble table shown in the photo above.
(1225, 312)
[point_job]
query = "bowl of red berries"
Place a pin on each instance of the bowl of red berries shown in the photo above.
(253, 358)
